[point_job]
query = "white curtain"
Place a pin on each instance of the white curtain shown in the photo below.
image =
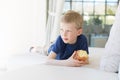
(21, 22)
(54, 13)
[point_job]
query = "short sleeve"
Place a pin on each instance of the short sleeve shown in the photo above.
(57, 45)
(82, 43)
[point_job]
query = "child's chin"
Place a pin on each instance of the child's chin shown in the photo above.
(66, 42)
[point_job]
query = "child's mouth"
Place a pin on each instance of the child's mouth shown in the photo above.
(65, 39)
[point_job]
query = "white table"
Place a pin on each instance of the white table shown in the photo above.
(49, 72)
(32, 67)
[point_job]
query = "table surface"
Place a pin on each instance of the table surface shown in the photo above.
(50, 72)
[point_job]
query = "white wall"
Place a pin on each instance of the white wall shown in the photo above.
(21, 23)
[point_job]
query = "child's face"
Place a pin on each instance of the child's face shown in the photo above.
(69, 32)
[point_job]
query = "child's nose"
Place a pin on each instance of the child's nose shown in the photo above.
(64, 33)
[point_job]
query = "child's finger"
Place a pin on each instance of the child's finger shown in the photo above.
(74, 53)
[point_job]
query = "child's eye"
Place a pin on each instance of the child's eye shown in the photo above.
(68, 30)
(61, 30)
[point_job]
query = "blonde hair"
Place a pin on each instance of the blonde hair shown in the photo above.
(73, 17)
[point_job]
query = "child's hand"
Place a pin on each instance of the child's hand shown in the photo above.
(76, 63)
(72, 62)
(86, 61)
(81, 56)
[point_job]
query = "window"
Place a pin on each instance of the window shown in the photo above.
(98, 15)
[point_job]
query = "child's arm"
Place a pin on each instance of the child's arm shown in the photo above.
(68, 62)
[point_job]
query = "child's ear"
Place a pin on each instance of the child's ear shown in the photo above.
(80, 31)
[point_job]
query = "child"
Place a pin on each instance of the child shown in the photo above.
(70, 40)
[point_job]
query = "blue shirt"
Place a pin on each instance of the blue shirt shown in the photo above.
(64, 51)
